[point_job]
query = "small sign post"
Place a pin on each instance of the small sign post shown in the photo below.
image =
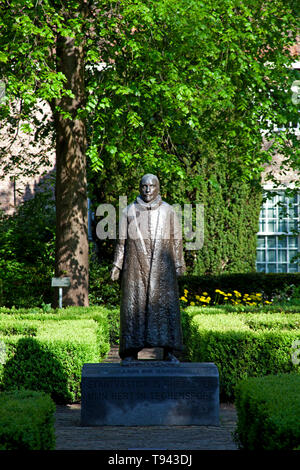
(60, 282)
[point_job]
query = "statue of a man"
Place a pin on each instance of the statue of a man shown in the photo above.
(149, 255)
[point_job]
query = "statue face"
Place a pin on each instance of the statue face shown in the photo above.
(149, 189)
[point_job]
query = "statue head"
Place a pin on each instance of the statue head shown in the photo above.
(149, 187)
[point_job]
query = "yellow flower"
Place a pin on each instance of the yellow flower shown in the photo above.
(205, 293)
(218, 290)
(267, 302)
(183, 298)
(192, 303)
(185, 291)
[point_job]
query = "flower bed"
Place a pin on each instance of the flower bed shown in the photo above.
(221, 298)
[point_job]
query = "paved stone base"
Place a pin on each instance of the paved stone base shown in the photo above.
(71, 436)
(150, 393)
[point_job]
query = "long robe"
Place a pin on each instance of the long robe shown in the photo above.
(148, 252)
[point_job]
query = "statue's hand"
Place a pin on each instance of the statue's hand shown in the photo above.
(115, 273)
(179, 271)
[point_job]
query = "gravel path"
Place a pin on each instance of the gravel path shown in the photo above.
(71, 436)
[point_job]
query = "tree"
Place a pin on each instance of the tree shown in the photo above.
(43, 59)
(185, 91)
(71, 184)
(167, 86)
(183, 76)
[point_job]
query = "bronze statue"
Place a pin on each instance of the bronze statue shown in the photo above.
(149, 255)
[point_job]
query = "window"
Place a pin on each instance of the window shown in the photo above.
(278, 237)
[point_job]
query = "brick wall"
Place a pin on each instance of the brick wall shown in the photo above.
(16, 185)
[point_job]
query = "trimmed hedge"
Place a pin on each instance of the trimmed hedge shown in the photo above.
(268, 410)
(101, 315)
(46, 352)
(241, 345)
(103, 291)
(26, 421)
(245, 283)
(270, 284)
(238, 309)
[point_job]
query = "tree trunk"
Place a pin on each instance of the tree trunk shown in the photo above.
(71, 182)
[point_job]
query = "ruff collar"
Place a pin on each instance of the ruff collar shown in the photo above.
(149, 205)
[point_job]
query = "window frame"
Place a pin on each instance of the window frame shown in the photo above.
(278, 234)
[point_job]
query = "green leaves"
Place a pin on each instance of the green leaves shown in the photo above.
(268, 412)
(181, 88)
(26, 421)
(199, 73)
(96, 162)
(238, 350)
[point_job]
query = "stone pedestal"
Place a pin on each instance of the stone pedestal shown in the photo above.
(150, 393)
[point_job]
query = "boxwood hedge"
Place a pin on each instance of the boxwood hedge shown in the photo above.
(26, 421)
(241, 345)
(268, 410)
(46, 352)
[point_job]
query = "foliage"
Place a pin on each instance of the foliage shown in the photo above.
(42, 41)
(235, 298)
(162, 76)
(27, 246)
(238, 309)
(24, 285)
(231, 213)
(268, 410)
(182, 89)
(68, 313)
(26, 421)
(194, 288)
(289, 295)
(174, 72)
(46, 352)
(28, 234)
(241, 346)
(28, 67)
(102, 290)
(114, 326)
(269, 285)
